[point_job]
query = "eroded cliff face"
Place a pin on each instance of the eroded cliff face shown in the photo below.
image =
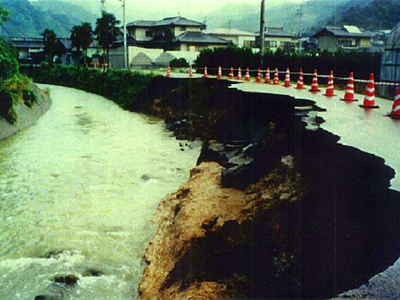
(273, 210)
(207, 232)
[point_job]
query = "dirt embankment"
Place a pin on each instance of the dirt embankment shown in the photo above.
(21, 112)
(272, 210)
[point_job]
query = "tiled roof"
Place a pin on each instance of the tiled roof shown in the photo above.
(342, 32)
(199, 37)
(277, 31)
(26, 42)
(177, 21)
(229, 31)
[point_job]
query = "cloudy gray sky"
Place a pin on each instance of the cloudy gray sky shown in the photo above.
(156, 9)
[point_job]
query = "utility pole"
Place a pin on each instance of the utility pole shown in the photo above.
(125, 41)
(262, 34)
(300, 14)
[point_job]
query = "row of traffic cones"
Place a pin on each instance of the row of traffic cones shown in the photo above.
(369, 99)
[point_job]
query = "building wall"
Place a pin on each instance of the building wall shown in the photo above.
(332, 43)
(327, 43)
(366, 42)
(239, 40)
(179, 29)
(273, 43)
(246, 41)
(140, 34)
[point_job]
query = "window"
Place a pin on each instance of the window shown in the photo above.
(247, 43)
(287, 46)
(182, 28)
(345, 43)
(271, 44)
(149, 33)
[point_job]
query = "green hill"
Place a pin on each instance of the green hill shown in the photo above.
(376, 14)
(31, 18)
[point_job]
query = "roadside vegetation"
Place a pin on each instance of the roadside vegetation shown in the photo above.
(342, 63)
(124, 87)
(13, 85)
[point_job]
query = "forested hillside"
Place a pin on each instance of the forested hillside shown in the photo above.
(31, 18)
(384, 14)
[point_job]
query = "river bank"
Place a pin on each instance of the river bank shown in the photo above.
(327, 228)
(25, 113)
(276, 208)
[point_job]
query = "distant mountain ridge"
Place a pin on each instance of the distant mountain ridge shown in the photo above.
(373, 15)
(31, 18)
(305, 17)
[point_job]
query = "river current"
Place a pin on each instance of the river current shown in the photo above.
(77, 193)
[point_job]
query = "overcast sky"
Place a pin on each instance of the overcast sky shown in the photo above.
(157, 9)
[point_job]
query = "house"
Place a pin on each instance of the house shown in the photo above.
(277, 37)
(196, 41)
(176, 33)
(27, 46)
(238, 37)
(143, 30)
(346, 37)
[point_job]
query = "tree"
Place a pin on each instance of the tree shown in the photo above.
(3, 15)
(82, 37)
(51, 46)
(107, 31)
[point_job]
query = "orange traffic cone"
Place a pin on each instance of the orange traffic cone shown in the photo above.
(231, 73)
(205, 72)
(314, 85)
(349, 95)
(258, 78)
(395, 113)
(276, 77)
(330, 91)
(267, 77)
(247, 77)
(219, 72)
(300, 82)
(239, 76)
(287, 79)
(168, 71)
(190, 72)
(369, 100)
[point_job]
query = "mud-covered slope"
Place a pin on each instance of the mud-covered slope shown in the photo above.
(273, 210)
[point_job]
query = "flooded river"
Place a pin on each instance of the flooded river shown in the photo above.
(77, 192)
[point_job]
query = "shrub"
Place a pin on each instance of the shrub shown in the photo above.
(8, 61)
(179, 63)
(124, 87)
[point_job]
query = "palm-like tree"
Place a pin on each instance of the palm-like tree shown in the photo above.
(107, 31)
(82, 37)
(51, 46)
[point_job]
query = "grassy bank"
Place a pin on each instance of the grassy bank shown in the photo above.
(124, 87)
(16, 89)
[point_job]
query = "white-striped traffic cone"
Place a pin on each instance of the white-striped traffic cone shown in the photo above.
(168, 71)
(300, 81)
(219, 72)
(369, 99)
(239, 76)
(287, 79)
(247, 77)
(349, 95)
(205, 72)
(258, 78)
(231, 75)
(267, 77)
(395, 113)
(330, 91)
(276, 77)
(314, 85)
